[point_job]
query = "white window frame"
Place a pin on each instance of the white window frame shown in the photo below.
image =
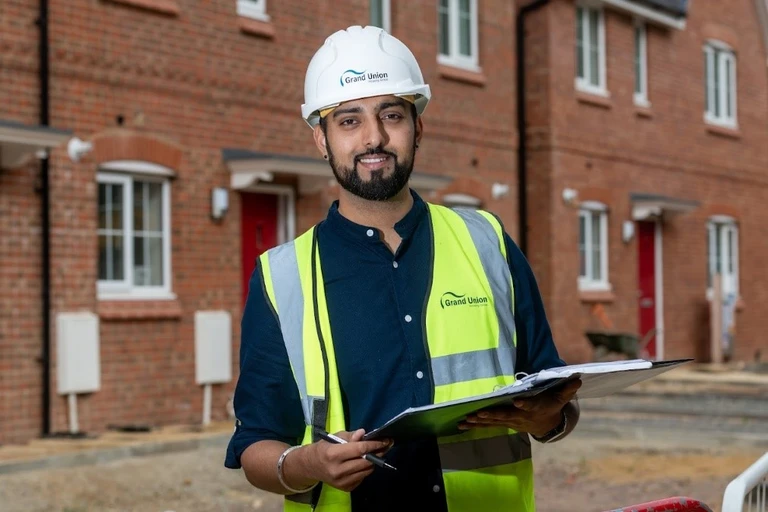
(454, 58)
(125, 289)
(641, 67)
(256, 9)
(386, 15)
(587, 210)
(582, 83)
(724, 54)
(730, 280)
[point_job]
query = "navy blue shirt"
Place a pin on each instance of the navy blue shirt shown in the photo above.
(375, 303)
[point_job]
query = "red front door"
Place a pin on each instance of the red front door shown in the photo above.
(258, 231)
(646, 242)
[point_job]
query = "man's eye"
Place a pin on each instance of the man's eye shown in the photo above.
(347, 122)
(393, 115)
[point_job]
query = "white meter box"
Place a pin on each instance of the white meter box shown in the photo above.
(213, 347)
(78, 368)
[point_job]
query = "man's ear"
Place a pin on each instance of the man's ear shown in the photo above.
(320, 140)
(419, 129)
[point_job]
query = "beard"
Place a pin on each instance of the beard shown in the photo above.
(378, 187)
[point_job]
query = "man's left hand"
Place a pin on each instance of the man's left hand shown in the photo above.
(536, 415)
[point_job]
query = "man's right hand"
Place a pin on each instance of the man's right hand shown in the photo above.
(342, 465)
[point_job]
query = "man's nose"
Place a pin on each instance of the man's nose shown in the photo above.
(375, 134)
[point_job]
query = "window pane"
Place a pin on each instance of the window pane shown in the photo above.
(117, 205)
(148, 261)
(140, 267)
(103, 205)
(138, 206)
(707, 81)
(154, 207)
(638, 61)
(444, 28)
(580, 42)
(727, 85)
(117, 258)
(582, 246)
(596, 253)
(594, 47)
(155, 261)
(465, 29)
(731, 251)
(716, 83)
(377, 19)
(104, 257)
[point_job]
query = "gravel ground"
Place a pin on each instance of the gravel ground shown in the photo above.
(586, 472)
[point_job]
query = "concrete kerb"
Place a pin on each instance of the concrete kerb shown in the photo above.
(106, 455)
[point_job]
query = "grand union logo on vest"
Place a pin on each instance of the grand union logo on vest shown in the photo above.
(452, 300)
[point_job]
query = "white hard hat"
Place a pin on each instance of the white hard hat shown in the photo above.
(361, 63)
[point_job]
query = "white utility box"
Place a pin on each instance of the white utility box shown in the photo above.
(78, 368)
(213, 347)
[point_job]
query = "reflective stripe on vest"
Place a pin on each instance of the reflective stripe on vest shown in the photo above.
(469, 336)
(484, 453)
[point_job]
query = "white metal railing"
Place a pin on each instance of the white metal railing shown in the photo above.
(748, 492)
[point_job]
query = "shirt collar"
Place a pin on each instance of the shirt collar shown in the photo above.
(405, 227)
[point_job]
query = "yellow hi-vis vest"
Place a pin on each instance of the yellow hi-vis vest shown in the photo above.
(470, 336)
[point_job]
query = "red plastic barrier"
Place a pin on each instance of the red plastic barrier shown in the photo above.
(675, 504)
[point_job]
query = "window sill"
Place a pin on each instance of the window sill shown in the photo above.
(594, 99)
(643, 111)
(451, 72)
(169, 7)
(149, 309)
(591, 296)
(723, 131)
(258, 28)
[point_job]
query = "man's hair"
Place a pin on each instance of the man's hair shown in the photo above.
(324, 120)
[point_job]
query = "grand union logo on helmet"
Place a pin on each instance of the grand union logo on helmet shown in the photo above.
(341, 63)
(351, 76)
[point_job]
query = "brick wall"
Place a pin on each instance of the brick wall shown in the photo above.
(610, 148)
(191, 75)
(20, 253)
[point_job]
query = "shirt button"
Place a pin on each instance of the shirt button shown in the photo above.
(436, 488)
(394, 264)
(369, 232)
(408, 318)
(419, 374)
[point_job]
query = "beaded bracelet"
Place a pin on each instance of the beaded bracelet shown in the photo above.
(280, 476)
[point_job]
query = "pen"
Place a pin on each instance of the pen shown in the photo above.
(368, 456)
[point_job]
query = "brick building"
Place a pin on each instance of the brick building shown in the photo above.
(646, 151)
(193, 158)
(177, 98)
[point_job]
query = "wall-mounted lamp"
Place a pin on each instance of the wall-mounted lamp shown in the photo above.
(570, 195)
(77, 148)
(499, 190)
(627, 231)
(219, 202)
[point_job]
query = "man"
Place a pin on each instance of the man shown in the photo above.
(388, 303)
